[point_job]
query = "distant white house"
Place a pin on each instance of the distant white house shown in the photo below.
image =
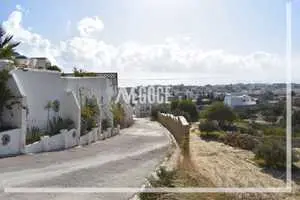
(34, 63)
(238, 100)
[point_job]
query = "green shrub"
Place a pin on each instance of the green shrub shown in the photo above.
(53, 68)
(82, 73)
(220, 113)
(90, 113)
(187, 107)
(208, 126)
(215, 135)
(273, 152)
(274, 131)
(118, 114)
(105, 124)
(33, 135)
(57, 124)
(163, 108)
(164, 178)
(243, 141)
(87, 120)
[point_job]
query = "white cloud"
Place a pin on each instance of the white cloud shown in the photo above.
(90, 26)
(18, 7)
(174, 57)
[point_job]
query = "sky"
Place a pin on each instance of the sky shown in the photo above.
(159, 41)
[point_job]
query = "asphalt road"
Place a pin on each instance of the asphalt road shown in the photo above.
(121, 161)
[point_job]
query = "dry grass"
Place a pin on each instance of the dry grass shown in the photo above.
(226, 166)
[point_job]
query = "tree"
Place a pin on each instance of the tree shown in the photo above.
(48, 107)
(207, 126)
(221, 113)
(186, 106)
(7, 47)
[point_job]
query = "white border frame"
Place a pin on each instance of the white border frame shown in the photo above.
(286, 189)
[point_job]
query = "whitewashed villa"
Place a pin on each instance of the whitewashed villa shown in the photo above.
(47, 102)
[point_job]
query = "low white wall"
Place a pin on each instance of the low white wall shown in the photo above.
(56, 142)
(66, 139)
(90, 137)
(34, 147)
(13, 145)
(71, 138)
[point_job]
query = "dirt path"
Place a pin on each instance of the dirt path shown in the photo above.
(226, 166)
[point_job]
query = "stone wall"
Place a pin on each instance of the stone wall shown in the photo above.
(179, 128)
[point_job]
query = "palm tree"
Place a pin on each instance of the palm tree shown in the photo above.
(7, 46)
(48, 107)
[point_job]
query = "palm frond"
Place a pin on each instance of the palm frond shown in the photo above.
(2, 32)
(5, 41)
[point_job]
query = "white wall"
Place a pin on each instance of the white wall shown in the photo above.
(34, 148)
(39, 87)
(60, 141)
(100, 87)
(70, 108)
(13, 146)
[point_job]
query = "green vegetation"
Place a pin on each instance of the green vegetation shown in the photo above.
(266, 141)
(214, 135)
(82, 73)
(57, 124)
(89, 115)
(7, 46)
(243, 141)
(118, 114)
(185, 108)
(53, 68)
(105, 124)
(220, 113)
(181, 177)
(163, 108)
(5, 93)
(272, 153)
(33, 135)
(208, 126)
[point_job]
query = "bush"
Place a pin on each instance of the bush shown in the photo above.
(243, 141)
(82, 73)
(274, 131)
(105, 124)
(163, 108)
(219, 112)
(272, 152)
(270, 118)
(208, 126)
(57, 124)
(89, 115)
(215, 135)
(53, 68)
(185, 106)
(118, 114)
(33, 135)
(164, 178)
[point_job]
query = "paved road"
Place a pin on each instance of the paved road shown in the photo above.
(122, 161)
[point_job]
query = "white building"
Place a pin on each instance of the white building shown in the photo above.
(33, 89)
(35, 62)
(238, 100)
